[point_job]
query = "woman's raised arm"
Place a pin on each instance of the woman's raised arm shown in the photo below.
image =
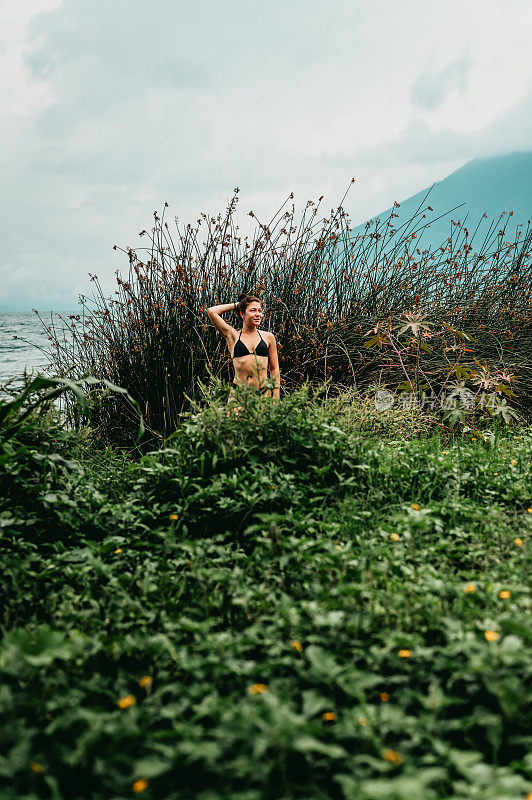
(220, 324)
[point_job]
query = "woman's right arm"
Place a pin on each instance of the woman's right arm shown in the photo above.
(220, 324)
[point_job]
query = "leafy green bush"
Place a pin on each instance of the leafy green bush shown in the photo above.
(47, 493)
(177, 628)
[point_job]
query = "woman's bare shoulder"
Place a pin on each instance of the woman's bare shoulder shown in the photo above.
(268, 335)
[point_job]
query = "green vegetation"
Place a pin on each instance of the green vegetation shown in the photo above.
(323, 288)
(307, 599)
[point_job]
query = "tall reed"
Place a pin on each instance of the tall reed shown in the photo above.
(322, 285)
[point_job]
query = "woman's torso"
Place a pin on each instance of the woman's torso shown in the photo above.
(251, 368)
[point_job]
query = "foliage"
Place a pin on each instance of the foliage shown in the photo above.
(460, 386)
(43, 391)
(273, 605)
(322, 285)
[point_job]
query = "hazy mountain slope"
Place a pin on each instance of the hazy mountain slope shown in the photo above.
(487, 185)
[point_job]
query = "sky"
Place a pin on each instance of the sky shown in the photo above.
(109, 110)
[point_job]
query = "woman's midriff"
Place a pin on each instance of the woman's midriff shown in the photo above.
(251, 371)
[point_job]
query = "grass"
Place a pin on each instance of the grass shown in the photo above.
(298, 602)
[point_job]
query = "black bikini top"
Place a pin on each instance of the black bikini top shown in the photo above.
(241, 350)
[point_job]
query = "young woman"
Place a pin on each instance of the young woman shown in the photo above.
(253, 351)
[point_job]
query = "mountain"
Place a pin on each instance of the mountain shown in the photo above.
(484, 185)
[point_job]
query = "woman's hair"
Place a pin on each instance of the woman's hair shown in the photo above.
(244, 301)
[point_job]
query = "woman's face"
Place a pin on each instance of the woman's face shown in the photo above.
(253, 314)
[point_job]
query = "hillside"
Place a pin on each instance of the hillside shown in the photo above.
(484, 185)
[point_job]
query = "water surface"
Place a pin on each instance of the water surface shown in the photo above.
(24, 344)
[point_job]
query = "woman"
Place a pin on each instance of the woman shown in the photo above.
(252, 350)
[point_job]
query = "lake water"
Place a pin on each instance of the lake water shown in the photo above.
(26, 350)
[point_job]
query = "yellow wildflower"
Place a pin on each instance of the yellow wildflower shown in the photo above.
(296, 645)
(118, 550)
(514, 461)
(36, 767)
(470, 588)
(491, 636)
(518, 542)
(405, 653)
(362, 721)
(126, 701)
(392, 755)
(505, 594)
(258, 688)
(415, 506)
(529, 510)
(146, 680)
(445, 452)
(473, 438)
(140, 785)
(495, 473)
(174, 516)
(384, 697)
(394, 537)
(329, 716)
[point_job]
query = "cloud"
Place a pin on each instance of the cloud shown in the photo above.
(433, 84)
(121, 106)
(21, 94)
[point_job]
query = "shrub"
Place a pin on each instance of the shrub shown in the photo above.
(271, 606)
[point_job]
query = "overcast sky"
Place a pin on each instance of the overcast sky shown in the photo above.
(109, 109)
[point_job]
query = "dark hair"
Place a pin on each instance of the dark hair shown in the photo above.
(244, 300)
